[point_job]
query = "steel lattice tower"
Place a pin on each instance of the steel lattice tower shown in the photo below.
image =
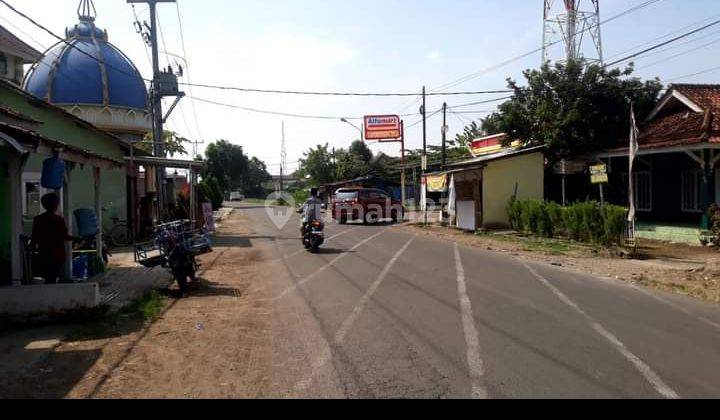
(572, 26)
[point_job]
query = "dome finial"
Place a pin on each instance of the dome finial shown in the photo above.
(86, 10)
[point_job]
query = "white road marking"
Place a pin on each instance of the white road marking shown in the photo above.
(325, 267)
(661, 387)
(345, 327)
(472, 340)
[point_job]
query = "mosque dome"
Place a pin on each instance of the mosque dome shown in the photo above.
(93, 79)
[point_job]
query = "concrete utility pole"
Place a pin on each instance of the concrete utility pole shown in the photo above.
(424, 155)
(159, 90)
(283, 158)
(444, 135)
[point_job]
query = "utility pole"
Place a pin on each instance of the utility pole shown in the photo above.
(403, 187)
(158, 90)
(424, 155)
(444, 135)
(283, 159)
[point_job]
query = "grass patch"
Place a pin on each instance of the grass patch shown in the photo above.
(133, 317)
(146, 308)
(254, 201)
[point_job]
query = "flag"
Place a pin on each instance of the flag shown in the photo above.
(634, 146)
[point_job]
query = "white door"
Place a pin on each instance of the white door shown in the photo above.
(466, 215)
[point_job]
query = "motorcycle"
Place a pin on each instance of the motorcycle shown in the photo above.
(313, 236)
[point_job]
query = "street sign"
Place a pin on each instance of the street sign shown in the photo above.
(598, 174)
(382, 127)
(424, 163)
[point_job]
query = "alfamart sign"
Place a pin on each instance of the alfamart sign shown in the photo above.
(383, 127)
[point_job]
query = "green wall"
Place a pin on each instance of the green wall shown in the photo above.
(59, 126)
(4, 215)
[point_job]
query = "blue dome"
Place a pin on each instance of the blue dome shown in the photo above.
(66, 76)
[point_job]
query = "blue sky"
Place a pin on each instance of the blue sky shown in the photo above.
(362, 46)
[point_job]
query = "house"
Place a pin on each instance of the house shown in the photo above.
(33, 130)
(675, 176)
(478, 190)
(14, 56)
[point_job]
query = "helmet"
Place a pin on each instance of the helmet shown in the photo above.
(313, 192)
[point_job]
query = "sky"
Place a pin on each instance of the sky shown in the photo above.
(365, 46)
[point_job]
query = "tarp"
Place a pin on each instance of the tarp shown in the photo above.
(452, 197)
(437, 183)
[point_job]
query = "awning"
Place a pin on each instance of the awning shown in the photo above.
(28, 141)
(166, 163)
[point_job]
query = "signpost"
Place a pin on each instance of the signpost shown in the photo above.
(383, 127)
(599, 176)
(387, 129)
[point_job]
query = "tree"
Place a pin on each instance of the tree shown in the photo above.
(318, 164)
(228, 164)
(174, 144)
(470, 133)
(256, 176)
(573, 108)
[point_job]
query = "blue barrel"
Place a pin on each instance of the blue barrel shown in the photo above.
(80, 267)
(53, 173)
(87, 222)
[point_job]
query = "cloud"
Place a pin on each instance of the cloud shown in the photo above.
(434, 56)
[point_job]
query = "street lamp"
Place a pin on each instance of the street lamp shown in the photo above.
(345, 120)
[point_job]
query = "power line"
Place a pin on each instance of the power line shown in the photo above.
(64, 41)
(252, 90)
(278, 113)
(662, 44)
(317, 93)
(710, 70)
(537, 50)
(187, 70)
(672, 57)
(649, 42)
(481, 102)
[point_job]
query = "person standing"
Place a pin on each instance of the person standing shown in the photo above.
(49, 236)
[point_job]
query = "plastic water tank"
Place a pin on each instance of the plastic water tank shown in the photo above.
(87, 222)
(53, 173)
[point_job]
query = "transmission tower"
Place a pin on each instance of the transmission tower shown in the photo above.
(572, 26)
(283, 159)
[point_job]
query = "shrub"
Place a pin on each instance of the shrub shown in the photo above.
(583, 222)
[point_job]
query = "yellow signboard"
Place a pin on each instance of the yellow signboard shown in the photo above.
(598, 174)
(437, 183)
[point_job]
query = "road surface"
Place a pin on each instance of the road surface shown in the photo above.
(383, 312)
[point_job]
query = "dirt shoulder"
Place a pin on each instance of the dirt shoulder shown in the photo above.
(686, 270)
(209, 345)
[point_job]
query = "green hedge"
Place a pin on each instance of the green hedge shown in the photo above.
(583, 222)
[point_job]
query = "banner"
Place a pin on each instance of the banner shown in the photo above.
(437, 183)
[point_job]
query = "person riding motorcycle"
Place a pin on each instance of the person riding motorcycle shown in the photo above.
(311, 210)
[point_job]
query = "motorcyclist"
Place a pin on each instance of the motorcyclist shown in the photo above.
(311, 210)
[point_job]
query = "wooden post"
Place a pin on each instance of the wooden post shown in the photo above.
(99, 214)
(67, 214)
(15, 199)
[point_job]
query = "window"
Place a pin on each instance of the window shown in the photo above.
(346, 195)
(691, 184)
(32, 192)
(32, 206)
(643, 190)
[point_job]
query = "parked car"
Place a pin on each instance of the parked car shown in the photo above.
(366, 204)
(236, 196)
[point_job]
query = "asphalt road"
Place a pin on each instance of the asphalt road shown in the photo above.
(382, 313)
